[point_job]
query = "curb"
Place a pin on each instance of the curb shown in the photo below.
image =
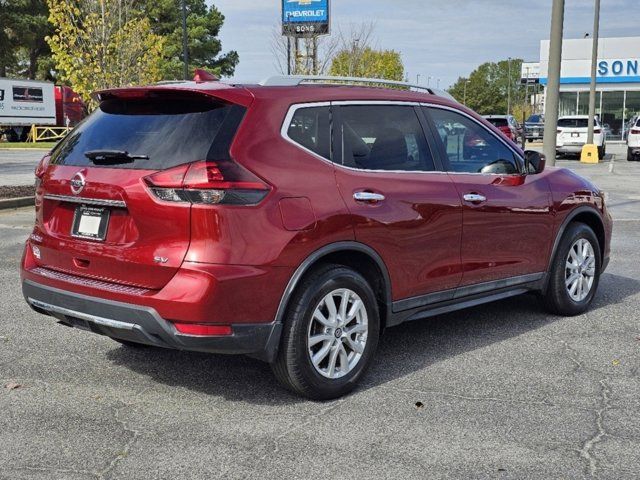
(17, 202)
(23, 149)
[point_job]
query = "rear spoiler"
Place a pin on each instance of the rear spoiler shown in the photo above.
(212, 89)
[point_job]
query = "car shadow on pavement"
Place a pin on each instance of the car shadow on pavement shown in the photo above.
(402, 350)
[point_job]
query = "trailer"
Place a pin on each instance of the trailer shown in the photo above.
(39, 110)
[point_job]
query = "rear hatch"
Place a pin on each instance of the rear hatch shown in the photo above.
(573, 131)
(96, 214)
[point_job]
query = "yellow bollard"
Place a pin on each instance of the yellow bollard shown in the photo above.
(589, 154)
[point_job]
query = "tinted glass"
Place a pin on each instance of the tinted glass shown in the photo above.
(384, 137)
(573, 122)
(498, 122)
(470, 147)
(171, 131)
(310, 128)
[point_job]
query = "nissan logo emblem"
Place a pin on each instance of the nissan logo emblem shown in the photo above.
(77, 183)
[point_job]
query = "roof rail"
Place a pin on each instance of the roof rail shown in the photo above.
(295, 80)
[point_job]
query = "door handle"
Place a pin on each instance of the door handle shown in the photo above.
(368, 197)
(474, 198)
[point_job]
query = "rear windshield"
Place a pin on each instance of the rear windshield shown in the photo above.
(170, 131)
(573, 122)
(498, 122)
(535, 119)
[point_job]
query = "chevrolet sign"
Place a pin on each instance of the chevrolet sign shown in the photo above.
(305, 17)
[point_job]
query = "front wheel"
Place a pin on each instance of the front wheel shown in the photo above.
(330, 334)
(575, 272)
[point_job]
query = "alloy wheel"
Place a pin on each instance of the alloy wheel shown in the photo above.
(580, 269)
(337, 333)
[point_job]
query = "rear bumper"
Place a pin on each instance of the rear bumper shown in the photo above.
(143, 324)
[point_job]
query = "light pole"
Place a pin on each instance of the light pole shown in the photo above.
(185, 50)
(417, 79)
(509, 88)
(429, 80)
(553, 81)
(437, 83)
(594, 64)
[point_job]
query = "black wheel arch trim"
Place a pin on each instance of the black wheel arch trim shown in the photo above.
(317, 255)
(565, 223)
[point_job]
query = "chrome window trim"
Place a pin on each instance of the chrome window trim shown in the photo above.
(86, 201)
(464, 114)
(293, 108)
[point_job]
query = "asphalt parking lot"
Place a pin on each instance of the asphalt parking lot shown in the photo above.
(501, 391)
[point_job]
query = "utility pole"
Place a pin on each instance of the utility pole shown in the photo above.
(288, 55)
(509, 88)
(553, 81)
(185, 50)
(417, 79)
(594, 64)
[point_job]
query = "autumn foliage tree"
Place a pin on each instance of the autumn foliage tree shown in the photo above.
(100, 44)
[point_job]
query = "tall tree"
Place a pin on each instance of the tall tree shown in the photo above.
(486, 90)
(203, 28)
(100, 44)
(368, 62)
(356, 56)
(23, 28)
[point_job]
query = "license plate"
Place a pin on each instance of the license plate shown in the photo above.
(536, 134)
(575, 135)
(90, 222)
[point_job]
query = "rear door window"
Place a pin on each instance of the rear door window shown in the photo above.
(310, 129)
(383, 137)
(170, 131)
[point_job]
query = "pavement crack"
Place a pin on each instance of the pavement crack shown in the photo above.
(586, 452)
(124, 451)
(306, 420)
(56, 470)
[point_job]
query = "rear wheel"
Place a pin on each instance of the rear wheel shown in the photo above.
(629, 155)
(330, 334)
(602, 151)
(575, 272)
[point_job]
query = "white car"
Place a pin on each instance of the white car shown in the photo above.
(572, 135)
(633, 142)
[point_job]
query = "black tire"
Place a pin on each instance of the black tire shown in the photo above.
(602, 151)
(293, 366)
(556, 297)
(629, 155)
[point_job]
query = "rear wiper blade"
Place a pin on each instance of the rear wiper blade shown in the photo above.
(101, 157)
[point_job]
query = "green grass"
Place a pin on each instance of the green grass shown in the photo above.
(47, 145)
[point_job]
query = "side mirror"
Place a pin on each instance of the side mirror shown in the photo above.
(534, 162)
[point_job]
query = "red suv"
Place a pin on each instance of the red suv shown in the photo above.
(294, 221)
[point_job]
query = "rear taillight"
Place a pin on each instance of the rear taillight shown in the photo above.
(559, 131)
(635, 131)
(210, 183)
(597, 130)
(41, 168)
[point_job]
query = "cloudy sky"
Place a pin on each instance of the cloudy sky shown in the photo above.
(440, 38)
